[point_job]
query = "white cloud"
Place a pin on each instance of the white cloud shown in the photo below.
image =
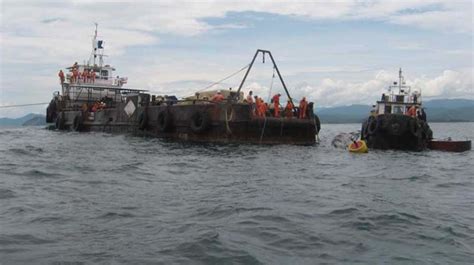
(449, 84)
(47, 36)
(330, 92)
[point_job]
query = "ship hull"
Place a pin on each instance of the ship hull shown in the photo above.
(220, 123)
(396, 131)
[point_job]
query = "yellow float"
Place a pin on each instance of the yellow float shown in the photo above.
(358, 147)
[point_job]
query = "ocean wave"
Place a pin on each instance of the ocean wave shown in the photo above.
(6, 194)
(115, 215)
(22, 239)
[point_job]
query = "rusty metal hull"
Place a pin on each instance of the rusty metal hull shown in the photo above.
(225, 123)
(450, 146)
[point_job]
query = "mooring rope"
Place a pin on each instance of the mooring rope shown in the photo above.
(227, 119)
(22, 105)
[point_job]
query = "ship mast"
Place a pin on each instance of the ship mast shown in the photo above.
(400, 77)
(96, 47)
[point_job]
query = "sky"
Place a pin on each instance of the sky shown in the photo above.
(333, 52)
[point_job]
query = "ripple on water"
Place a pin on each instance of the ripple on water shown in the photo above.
(207, 248)
(222, 211)
(28, 150)
(115, 215)
(50, 219)
(344, 211)
(22, 239)
(36, 173)
(6, 194)
(454, 184)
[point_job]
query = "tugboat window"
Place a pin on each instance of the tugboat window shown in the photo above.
(397, 110)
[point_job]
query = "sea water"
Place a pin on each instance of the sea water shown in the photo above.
(78, 198)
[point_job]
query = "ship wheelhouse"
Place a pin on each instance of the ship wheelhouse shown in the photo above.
(400, 102)
(93, 80)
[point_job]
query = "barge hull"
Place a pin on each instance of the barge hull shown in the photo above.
(224, 123)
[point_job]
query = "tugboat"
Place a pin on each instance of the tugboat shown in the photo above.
(93, 99)
(398, 120)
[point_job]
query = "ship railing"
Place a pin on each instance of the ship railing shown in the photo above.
(79, 94)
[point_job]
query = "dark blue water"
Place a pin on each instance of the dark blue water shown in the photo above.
(98, 198)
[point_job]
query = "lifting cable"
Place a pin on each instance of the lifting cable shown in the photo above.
(211, 85)
(269, 95)
(22, 105)
(225, 78)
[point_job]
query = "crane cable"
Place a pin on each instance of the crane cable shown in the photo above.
(265, 116)
(225, 78)
(211, 85)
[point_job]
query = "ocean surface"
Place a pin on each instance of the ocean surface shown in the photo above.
(82, 198)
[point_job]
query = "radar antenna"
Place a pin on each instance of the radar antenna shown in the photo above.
(97, 50)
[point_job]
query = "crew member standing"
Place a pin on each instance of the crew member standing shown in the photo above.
(289, 109)
(61, 76)
(85, 75)
(218, 97)
(262, 108)
(257, 104)
(303, 108)
(92, 76)
(75, 75)
(250, 98)
(276, 104)
(422, 115)
(412, 111)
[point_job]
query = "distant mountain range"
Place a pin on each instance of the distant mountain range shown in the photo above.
(450, 110)
(27, 120)
(439, 110)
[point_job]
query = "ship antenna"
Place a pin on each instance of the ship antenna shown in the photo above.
(400, 81)
(94, 47)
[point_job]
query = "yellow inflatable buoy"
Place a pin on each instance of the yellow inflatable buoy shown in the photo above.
(358, 147)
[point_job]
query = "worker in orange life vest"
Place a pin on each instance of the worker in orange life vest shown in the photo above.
(61, 76)
(276, 104)
(412, 111)
(303, 107)
(289, 109)
(262, 108)
(218, 97)
(257, 104)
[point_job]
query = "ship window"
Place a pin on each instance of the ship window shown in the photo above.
(388, 109)
(397, 110)
(104, 74)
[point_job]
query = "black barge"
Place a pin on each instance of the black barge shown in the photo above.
(93, 99)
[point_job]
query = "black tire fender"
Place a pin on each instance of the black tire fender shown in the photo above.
(363, 131)
(142, 121)
(372, 126)
(200, 122)
(164, 121)
(415, 128)
(317, 123)
(77, 123)
(60, 122)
